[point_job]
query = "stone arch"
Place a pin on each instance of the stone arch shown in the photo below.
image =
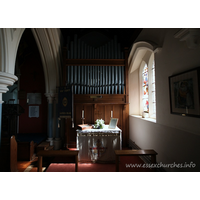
(49, 45)
(9, 42)
(48, 42)
(137, 54)
(140, 53)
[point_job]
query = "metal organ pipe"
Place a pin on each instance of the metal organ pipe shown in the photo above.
(95, 79)
(86, 72)
(103, 71)
(119, 69)
(75, 67)
(100, 89)
(106, 68)
(122, 72)
(68, 69)
(79, 70)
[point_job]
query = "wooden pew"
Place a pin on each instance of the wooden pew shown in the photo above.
(13, 154)
(139, 152)
(25, 150)
(55, 153)
(8, 155)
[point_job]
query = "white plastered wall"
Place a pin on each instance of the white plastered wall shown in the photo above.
(175, 138)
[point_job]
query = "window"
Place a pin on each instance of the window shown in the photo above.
(148, 88)
(145, 88)
(142, 80)
(153, 91)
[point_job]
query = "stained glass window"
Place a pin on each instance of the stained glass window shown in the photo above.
(153, 90)
(145, 87)
(148, 88)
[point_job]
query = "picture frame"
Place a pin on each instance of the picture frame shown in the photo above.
(34, 111)
(113, 123)
(185, 93)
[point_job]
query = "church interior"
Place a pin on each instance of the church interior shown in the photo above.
(133, 75)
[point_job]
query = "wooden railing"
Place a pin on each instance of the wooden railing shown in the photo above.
(56, 153)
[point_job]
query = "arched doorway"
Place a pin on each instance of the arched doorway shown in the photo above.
(31, 86)
(49, 46)
(28, 92)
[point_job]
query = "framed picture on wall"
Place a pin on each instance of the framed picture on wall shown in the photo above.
(185, 93)
(113, 123)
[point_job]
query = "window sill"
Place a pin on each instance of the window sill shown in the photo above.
(147, 119)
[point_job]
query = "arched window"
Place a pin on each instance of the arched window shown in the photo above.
(152, 87)
(153, 91)
(145, 89)
(148, 88)
(142, 80)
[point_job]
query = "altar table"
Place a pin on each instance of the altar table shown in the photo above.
(98, 145)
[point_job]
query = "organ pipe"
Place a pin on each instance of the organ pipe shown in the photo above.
(95, 79)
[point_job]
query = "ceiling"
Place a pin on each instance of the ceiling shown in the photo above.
(92, 36)
(126, 36)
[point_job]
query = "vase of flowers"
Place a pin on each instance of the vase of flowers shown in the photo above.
(99, 124)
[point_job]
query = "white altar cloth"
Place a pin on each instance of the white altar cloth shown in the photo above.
(98, 145)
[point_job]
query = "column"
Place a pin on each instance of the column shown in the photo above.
(57, 141)
(0, 117)
(6, 79)
(50, 99)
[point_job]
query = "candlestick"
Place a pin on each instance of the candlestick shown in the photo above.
(111, 114)
(83, 120)
(82, 113)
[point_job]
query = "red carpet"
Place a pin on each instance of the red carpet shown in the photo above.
(124, 166)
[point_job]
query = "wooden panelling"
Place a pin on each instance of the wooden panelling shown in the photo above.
(125, 125)
(99, 112)
(78, 113)
(117, 113)
(108, 109)
(88, 113)
(96, 110)
(100, 98)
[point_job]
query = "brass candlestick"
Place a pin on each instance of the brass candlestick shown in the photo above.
(82, 120)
